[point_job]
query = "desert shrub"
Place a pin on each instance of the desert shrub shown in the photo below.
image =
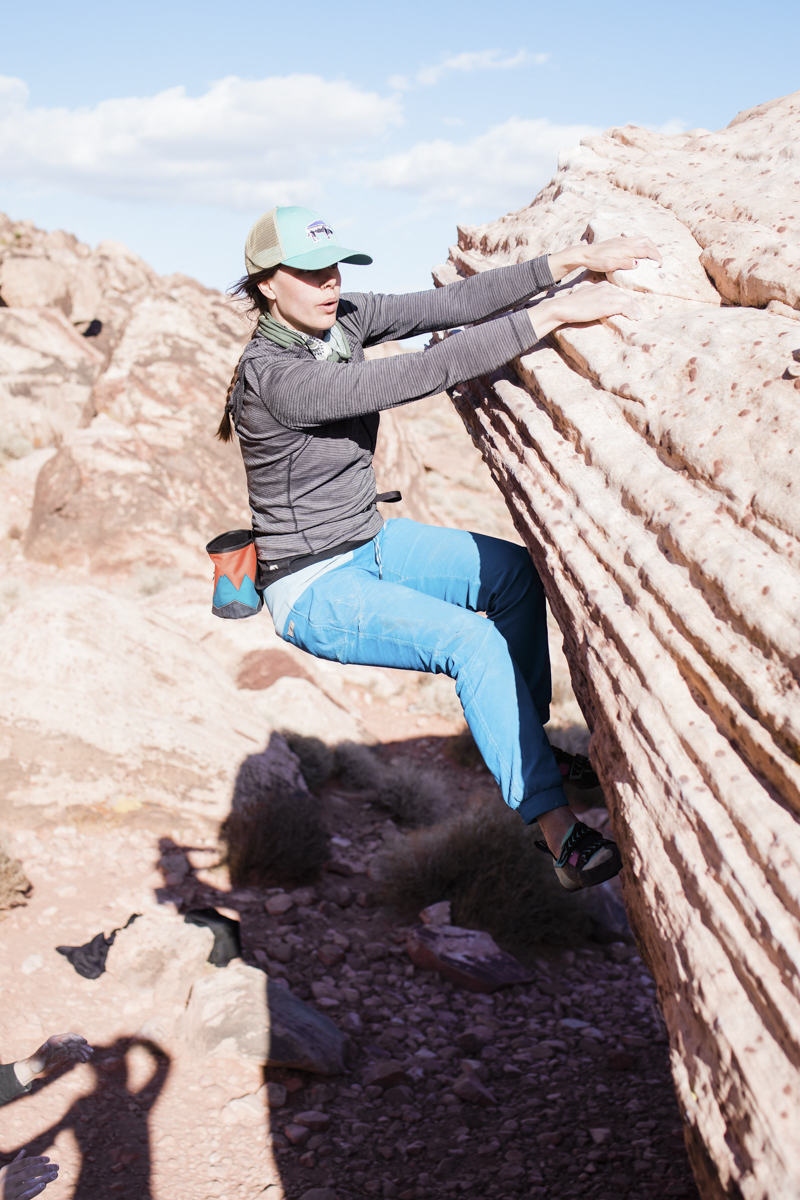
(359, 769)
(410, 792)
(317, 761)
(14, 884)
(276, 838)
(485, 863)
(463, 750)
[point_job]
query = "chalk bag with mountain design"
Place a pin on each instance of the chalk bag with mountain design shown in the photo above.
(235, 572)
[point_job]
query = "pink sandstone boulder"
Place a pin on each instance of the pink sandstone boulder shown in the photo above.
(650, 468)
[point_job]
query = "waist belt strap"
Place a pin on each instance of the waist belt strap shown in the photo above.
(271, 572)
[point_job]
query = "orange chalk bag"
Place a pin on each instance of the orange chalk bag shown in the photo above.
(235, 573)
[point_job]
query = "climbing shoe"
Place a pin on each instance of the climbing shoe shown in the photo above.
(576, 770)
(586, 858)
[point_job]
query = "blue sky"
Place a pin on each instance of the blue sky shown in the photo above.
(170, 126)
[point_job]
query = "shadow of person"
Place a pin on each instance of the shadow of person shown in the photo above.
(110, 1123)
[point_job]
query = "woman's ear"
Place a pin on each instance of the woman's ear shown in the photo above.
(267, 289)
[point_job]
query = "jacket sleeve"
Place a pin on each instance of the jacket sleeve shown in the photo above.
(10, 1086)
(382, 318)
(301, 393)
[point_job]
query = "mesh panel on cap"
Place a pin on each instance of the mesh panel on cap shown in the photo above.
(263, 247)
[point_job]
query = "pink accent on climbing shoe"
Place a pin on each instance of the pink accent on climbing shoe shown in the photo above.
(573, 858)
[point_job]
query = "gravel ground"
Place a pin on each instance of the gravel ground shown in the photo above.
(557, 1089)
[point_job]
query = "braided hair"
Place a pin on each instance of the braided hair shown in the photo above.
(247, 286)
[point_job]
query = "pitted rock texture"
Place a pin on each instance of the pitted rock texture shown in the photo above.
(649, 467)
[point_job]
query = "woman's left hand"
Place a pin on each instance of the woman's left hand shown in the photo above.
(619, 254)
(58, 1050)
(615, 254)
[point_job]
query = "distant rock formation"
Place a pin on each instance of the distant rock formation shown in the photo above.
(650, 468)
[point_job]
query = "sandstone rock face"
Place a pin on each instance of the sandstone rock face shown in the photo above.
(107, 703)
(138, 477)
(238, 1012)
(649, 467)
(55, 270)
(160, 951)
(46, 375)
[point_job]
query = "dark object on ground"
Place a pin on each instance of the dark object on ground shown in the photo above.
(93, 329)
(227, 943)
(14, 883)
(276, 837)
(470, 958)
(317, 761)
(262, 1023)
(486, 863)
(411, 793)
(608, 914)
(89, 960)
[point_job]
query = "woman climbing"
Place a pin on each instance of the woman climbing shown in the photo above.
(339, 582)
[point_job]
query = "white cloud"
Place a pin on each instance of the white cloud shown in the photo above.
(243, 143)
(500, 168)
(477, 60)
(470, 60)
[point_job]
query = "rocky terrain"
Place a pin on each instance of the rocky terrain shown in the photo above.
(556, 1088)
(128, 710)
(649, 468)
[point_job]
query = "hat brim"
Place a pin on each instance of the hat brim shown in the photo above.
(326, 256)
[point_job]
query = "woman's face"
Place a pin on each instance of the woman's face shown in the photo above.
(304, 300)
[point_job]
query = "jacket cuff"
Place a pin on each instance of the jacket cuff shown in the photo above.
(524, 331)
(10, 1086)
(543, 276)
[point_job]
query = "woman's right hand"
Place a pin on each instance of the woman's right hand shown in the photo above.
(26, 1177)
(581, 304)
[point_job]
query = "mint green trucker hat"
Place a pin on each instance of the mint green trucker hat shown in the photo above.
(290, 236)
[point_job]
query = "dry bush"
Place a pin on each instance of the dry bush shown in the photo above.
(14, 884)
(410, 792)
(463, 751)
(485, 863)
(359, 769)
(317, 761)
(277, 838)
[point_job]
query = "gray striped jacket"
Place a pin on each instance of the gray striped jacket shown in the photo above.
(308, 429)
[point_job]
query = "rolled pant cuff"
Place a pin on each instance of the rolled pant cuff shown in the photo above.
(532, 808)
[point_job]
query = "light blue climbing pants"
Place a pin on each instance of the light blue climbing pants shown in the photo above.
(411, 598)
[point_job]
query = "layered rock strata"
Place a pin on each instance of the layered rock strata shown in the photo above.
(649, 467)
